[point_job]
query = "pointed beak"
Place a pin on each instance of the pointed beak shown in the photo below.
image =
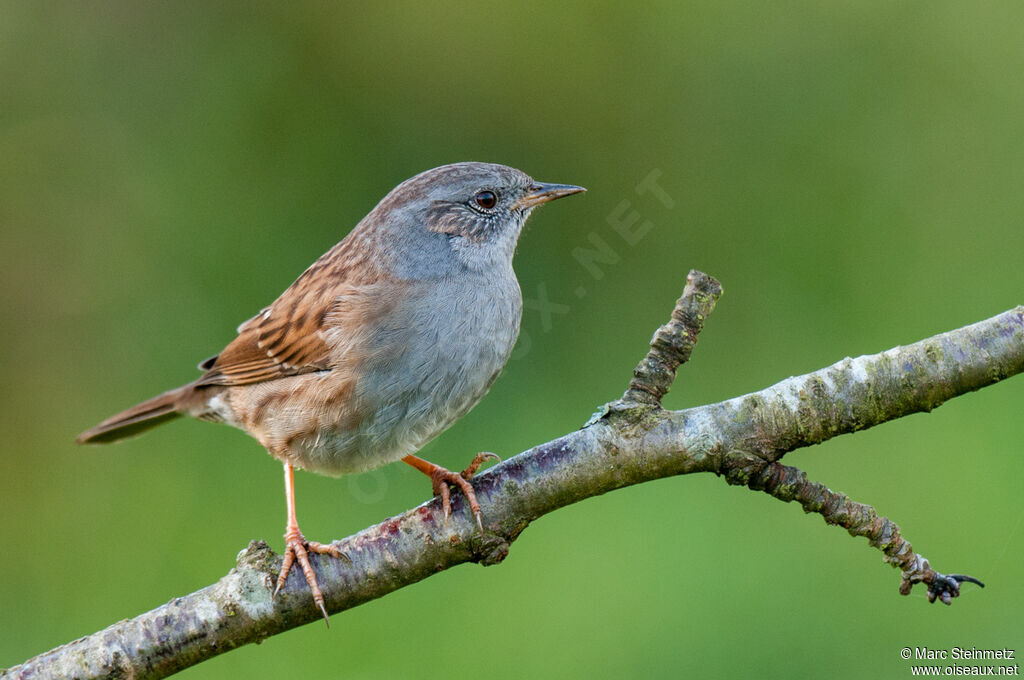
(540, 192)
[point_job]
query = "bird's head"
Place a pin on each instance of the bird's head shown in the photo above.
(476, 210)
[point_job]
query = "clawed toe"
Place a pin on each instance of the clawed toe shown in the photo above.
(477, 461)
(297, 549)
(442, 480)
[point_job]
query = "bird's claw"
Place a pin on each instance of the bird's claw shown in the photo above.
(442, 478)
(477, 461)
(297, 549)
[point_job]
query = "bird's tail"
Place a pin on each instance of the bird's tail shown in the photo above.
(140, 417)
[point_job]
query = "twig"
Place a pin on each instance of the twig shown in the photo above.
(629, 441)
(673, 342)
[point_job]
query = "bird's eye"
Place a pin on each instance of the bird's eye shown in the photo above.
(486, 199)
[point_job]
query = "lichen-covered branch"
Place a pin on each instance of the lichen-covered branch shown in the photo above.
(630, 441)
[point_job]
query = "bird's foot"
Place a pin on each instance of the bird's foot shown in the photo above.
(297, 549)
(442, 479)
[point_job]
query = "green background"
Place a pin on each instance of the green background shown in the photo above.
(851, 171)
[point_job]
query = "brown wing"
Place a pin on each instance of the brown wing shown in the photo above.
(336, 293)
(283, 340)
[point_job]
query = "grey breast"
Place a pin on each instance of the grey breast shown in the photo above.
(440, 355)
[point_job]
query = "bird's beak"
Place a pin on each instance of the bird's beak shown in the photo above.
(540, 192)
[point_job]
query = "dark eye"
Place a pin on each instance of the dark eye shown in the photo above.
(486, 199)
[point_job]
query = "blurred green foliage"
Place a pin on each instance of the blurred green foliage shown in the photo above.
(851, 172)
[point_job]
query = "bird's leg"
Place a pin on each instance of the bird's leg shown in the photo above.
(297, 548)
(441, 477)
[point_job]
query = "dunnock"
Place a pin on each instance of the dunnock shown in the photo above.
(385, 341)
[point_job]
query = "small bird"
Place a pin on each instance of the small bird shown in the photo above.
(390, 337)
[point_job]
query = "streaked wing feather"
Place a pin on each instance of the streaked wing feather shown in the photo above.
(249, 358)
(283, 339)
(287, 338)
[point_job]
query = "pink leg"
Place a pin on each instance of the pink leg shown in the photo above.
(298, 548)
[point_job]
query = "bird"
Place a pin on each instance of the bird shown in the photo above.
(380, 345)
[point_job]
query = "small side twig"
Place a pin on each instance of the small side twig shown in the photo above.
(788, 483)
(673, 342)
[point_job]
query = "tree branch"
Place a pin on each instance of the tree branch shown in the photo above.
(627, 442)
